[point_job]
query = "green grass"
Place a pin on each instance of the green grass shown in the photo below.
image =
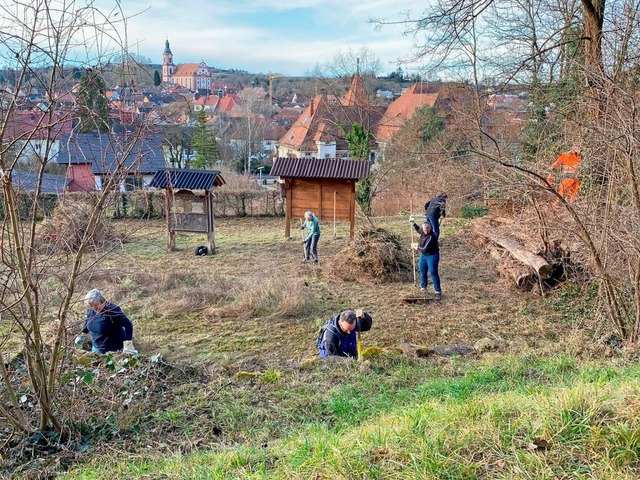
(410, 419)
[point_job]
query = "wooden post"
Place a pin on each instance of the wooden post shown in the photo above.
(289, 209)
(167, 206)
(352, 209)
(211, 228)
(334, 214)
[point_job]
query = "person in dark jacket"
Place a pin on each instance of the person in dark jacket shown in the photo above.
(109, 327)
(339, 335)
(429, 256)
(434, 209)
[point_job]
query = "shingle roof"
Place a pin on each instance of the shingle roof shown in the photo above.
(105, 151)
(320, 168)
(187, 179)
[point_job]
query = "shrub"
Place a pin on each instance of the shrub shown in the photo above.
(473, 211)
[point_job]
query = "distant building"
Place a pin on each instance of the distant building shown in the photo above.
(194, 76)
(317, 132)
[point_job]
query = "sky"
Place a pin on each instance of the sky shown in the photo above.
(288, 37)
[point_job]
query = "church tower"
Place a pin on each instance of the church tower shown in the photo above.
(167, 63)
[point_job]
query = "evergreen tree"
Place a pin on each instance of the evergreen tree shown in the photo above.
(92, 103)
(359, 148)
(204, 142)
(156, 78)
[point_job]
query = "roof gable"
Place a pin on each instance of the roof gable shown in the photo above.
(401, 110)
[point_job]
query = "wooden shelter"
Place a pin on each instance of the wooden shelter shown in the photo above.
(326, 186)
(189, 202)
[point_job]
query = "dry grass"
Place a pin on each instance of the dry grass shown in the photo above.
(255, 288)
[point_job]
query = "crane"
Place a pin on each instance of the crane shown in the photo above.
(271, 77)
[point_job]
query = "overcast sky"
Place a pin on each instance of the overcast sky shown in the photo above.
(267, 36)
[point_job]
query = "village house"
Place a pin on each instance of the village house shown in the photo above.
(317, 132)
(92, 157)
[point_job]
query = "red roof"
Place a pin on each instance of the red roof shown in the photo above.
(36, 125)
(401, 110)
(320, 120)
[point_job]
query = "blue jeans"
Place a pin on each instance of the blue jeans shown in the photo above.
(429, 265)
(311, 248)
(435, 225)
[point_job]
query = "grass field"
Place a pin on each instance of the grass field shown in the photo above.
(239, 392)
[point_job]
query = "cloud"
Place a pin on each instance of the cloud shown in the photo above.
(265, 35)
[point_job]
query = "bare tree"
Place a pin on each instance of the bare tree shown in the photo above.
(574, 60)
(39, 284)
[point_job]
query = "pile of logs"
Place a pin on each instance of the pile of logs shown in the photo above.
(527, 268)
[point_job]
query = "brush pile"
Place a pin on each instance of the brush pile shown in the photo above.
(375, 255)
(70, 224)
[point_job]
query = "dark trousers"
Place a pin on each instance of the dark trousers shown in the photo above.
(429, 265)
(311, 248)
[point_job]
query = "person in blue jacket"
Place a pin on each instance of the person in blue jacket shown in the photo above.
(429, 256)
(109, 327)
(338, 336)
(313, 236)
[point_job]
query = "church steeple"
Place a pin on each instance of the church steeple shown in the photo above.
(167, 63)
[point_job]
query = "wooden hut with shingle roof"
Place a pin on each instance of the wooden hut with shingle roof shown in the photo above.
(326, 186)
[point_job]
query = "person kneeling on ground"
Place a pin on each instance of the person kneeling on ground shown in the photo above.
(109, 327)
(338, 336)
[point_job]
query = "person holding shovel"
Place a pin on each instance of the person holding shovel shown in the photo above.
(340, 335)
(313, 236)
(429, 256)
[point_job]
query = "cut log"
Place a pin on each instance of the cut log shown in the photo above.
(524, 277)
(517, 251)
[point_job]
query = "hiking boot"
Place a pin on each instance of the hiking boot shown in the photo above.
(438, 296)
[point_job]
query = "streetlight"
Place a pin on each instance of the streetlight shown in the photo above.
(260, 173)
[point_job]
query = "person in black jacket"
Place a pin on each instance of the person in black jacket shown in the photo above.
(429, 256)
(339, 335)
(434, 209)
(109, 327)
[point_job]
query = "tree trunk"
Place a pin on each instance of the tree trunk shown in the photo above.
(517, 251)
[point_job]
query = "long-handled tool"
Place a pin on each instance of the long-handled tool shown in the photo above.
(304, 244)
(413, 252)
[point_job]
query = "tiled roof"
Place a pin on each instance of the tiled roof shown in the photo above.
(105, 151)
(208, 100)
(401, 110)
(186, 69)
(187, 179)
(356, 96)
(319, 122)
(36, 125)
(320, 168)
(26, 181)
